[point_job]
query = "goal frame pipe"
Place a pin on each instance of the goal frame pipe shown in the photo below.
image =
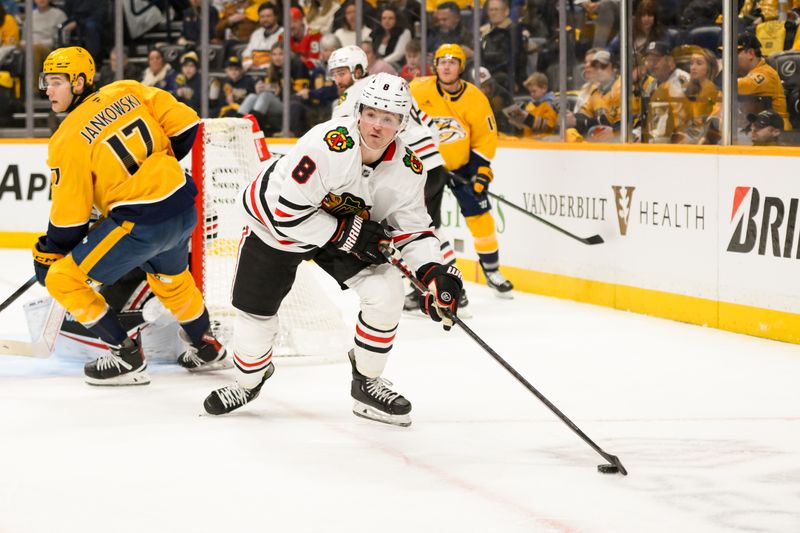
(197, 254)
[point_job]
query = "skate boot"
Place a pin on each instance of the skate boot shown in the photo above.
(122, 365)
(411, 303)
(498, 282)
(223, 401)
(376, 401)
(208, 354)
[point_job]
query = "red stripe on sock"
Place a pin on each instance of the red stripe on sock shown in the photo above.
(374, 338)
(257, 363)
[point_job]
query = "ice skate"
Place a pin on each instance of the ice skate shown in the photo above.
(223, 401)
(376, 401)
(206, 355)
(122, 365)
(499, 284)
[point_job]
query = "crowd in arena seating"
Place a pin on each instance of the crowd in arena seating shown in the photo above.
(676, 71)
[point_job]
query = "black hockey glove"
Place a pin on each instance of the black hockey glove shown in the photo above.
(444, 286)
(481, 179)
(362, 238)
(43, 259)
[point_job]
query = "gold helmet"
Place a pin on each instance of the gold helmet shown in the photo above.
(72, 61)
(450, 51)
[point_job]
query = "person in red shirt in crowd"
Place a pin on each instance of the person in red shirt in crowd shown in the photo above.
(304, 43)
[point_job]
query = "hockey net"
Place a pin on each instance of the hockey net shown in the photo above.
(228, 154)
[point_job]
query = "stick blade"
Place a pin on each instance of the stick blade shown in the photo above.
(614, 466)
(594, 239)
(24, 349)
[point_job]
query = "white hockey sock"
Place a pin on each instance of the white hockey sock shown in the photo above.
(372, 347)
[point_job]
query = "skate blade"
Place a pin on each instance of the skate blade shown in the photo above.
(365, 411)
(508, 295)
(136, 378)
(222, 364)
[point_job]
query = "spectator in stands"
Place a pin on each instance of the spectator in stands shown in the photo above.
(668, 111)
(159, 73)
(188, 83)
(108, 72)
(319, 17)
(9, 32)
(227, 95)
(88, 17)
(449, 29)
(599, 117)
(539, 116)
(408, 13)
(375, 63)
(304, 42)
(702, 93)
(413, 67)
(758, 81)
(605, 14)
(347, 33)
(256, 54)
(238, 20)
(391, 38)
(319, 96)
(267, 103)
(502, 50)
(45, 20)
(646, 28)
(499, 98)
(589, 73)
(190, 31)
(766, 128)
(11, 7)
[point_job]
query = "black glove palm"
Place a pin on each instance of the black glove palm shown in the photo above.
(444, 288)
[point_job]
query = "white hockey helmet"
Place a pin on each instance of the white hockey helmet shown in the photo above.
(387, 93)
(351, 57)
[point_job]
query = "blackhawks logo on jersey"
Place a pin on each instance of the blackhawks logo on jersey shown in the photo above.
(412, 161)
(344, 205)
(339, 140)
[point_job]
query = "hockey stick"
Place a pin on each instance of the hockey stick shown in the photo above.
(594, 239)
(614, 466)
(19, 292)
(44, 345)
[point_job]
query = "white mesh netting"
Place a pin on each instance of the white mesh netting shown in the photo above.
(310, 324)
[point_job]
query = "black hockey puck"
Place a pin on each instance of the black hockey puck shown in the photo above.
(607, 469)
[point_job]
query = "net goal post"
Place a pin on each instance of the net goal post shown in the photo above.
(227, 155)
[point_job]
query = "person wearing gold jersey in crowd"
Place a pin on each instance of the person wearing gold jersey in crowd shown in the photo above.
(467, 142)
(702, 93)
(758, 81)
(668, 109)
(117, 151)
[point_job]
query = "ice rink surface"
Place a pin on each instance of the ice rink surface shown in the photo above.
(707, 423)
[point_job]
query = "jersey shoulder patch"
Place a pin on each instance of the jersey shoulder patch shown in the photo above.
(412, 161)
(339, 139)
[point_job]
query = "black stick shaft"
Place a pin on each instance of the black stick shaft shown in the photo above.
(594, 239)
(417, 284)
(19, 292)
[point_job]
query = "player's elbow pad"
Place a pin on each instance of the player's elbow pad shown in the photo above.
(182, 144)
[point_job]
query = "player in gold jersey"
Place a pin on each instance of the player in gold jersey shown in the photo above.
(467, 142)
(117, 151)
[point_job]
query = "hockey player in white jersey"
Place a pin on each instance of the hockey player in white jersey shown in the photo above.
(348, 187)
(348, 68)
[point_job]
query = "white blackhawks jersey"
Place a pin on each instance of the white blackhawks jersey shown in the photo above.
(420, 134)
(293, 204)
